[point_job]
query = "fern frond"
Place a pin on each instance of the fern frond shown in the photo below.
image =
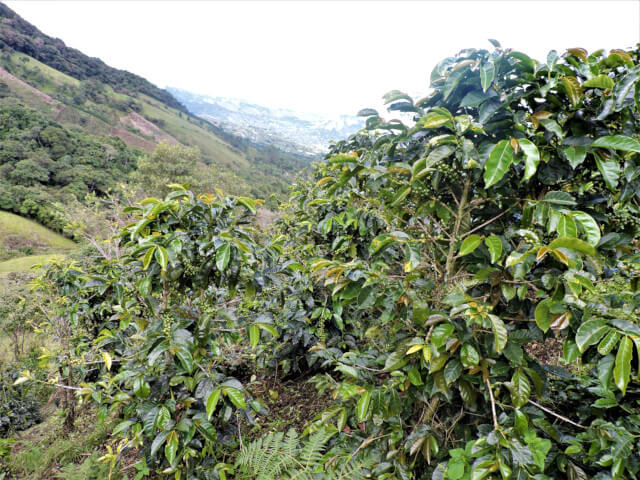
(311, 453)
(351, 470)
(270, 457)
(281, 457)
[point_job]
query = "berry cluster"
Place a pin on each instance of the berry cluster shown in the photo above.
(624, 219)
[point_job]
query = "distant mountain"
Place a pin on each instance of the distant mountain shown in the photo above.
(286, 129)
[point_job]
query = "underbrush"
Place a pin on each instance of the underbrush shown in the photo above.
(45, 451)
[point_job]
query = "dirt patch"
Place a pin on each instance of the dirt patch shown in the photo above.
(146, 127)
(6, 76)
(265, 218)
(291, 404)
(548, 352)
(15, 242)
(132, 140)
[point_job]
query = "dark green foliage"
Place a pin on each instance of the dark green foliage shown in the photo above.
(437, 251)
(412, 271)
(19, 406)
(42, 162)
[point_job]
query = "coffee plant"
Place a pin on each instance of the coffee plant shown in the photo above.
(503, 215)
(410, 273)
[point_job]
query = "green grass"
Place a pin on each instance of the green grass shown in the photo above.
(25, 243)
(213, 148)
(12, 226)
(44, 452)
(21, 264)
(52, 74)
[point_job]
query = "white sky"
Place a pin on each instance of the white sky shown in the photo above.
(325, 57)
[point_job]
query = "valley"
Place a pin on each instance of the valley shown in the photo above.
(307, 134)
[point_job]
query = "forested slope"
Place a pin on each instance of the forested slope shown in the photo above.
(50, 90)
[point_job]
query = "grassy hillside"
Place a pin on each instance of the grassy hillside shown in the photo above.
(84, 94)
(14, 228)
(24, 243)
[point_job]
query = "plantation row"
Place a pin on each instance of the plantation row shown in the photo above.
(411, 275)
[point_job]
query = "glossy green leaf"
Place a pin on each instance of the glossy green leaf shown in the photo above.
(247, 203)
(494, 244)
(162, 257)
(589, 225)
(414, 376)
(609, 341)
(520, 389)
(223, 255)
(171, 447)
(567, 227)
(618, 142)
(395, 361)
(590, 333)
(572, 89)
(441, 333)
(158, 441)
(500, 334)
(487, 74)
(543, 316)
(622, 369)
(269, 329)
(553, 127)
(531, 158)
(574, 244)
(212, 402)
(575, 155)
(559, 198)
(600, 81)
(401, 196)
(148, 256)
(469, 244)
(453, 80)
(185, 358)
(452, 370)
(254, 335)
(624, 87)
(469, 356)
(437, 117)
(141, 388)
(362, 407)
(500, 159)
(235, 396)
(610, 170)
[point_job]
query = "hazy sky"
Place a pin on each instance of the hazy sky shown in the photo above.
(325, 57)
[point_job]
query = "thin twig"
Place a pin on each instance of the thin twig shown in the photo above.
(485, 224)
(557, 415)
(493, 406)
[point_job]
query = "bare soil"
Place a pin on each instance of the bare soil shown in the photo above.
(6, 76)
(291, 403)
(148, 128)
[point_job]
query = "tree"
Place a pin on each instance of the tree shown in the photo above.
(29, 172)
(167, 164)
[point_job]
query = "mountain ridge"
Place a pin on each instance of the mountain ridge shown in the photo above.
(306, 133)
(24, 37)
